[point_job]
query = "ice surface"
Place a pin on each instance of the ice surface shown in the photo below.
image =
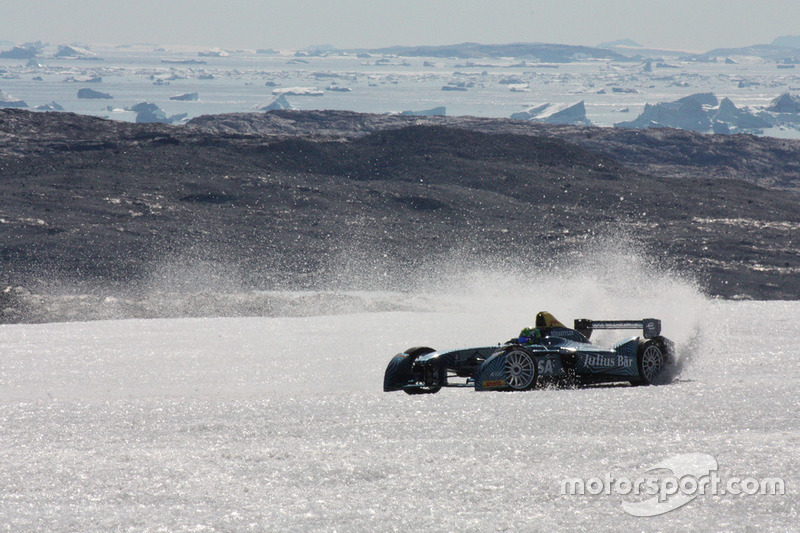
(280, 424)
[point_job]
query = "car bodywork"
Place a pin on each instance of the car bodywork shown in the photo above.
(560, 355)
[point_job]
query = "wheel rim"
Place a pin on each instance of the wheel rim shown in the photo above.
(519, 369)
(652, 363)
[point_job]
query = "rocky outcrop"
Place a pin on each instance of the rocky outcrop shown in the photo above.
(787, 41)
(282, 197)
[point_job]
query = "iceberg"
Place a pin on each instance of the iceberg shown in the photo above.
(19, 52)
(743, 119)
(785, 103)
(530, 113)
(571, 114)
(74, 52)
(707, 99)
(687, 113)
(147, 112)
(186, 97)
(278, 104)
(88, 94)
(52, 106)
(6, 100)
(574, 114)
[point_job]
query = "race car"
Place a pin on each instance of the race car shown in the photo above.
(548, 353)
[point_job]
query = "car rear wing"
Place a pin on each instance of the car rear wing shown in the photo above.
(651, 327)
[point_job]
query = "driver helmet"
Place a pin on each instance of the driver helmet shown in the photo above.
(529, 336)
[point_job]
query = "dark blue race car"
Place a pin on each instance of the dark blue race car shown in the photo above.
(550, 352)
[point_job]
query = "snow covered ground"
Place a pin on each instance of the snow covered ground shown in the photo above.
(280, 424)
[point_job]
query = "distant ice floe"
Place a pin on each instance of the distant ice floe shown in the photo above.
(215, 52)
(83, 79)
(298, 91)
(519, 88)
(438, 111)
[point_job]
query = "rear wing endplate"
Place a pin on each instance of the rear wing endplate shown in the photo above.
(651, 327)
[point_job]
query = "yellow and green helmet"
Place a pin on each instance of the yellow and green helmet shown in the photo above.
(529, 336)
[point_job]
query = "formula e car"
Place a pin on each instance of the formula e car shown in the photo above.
(554, 353)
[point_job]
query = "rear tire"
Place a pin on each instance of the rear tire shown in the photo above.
(521, 371)
(652, 362)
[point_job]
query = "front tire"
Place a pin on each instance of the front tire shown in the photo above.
(521, 370)
(432, 375)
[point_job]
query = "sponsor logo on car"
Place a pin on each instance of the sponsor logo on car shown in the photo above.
(595, 360)
(493, 383)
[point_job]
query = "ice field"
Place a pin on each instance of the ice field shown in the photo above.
(280, 424)
(236, 83)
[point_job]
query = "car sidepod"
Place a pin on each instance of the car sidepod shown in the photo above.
(620, 361)
(517, 368)
(492, 373)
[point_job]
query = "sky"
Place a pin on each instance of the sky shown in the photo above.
(695, 25)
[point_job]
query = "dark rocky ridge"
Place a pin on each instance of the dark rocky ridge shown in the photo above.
(666, 152)
(281, 200)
